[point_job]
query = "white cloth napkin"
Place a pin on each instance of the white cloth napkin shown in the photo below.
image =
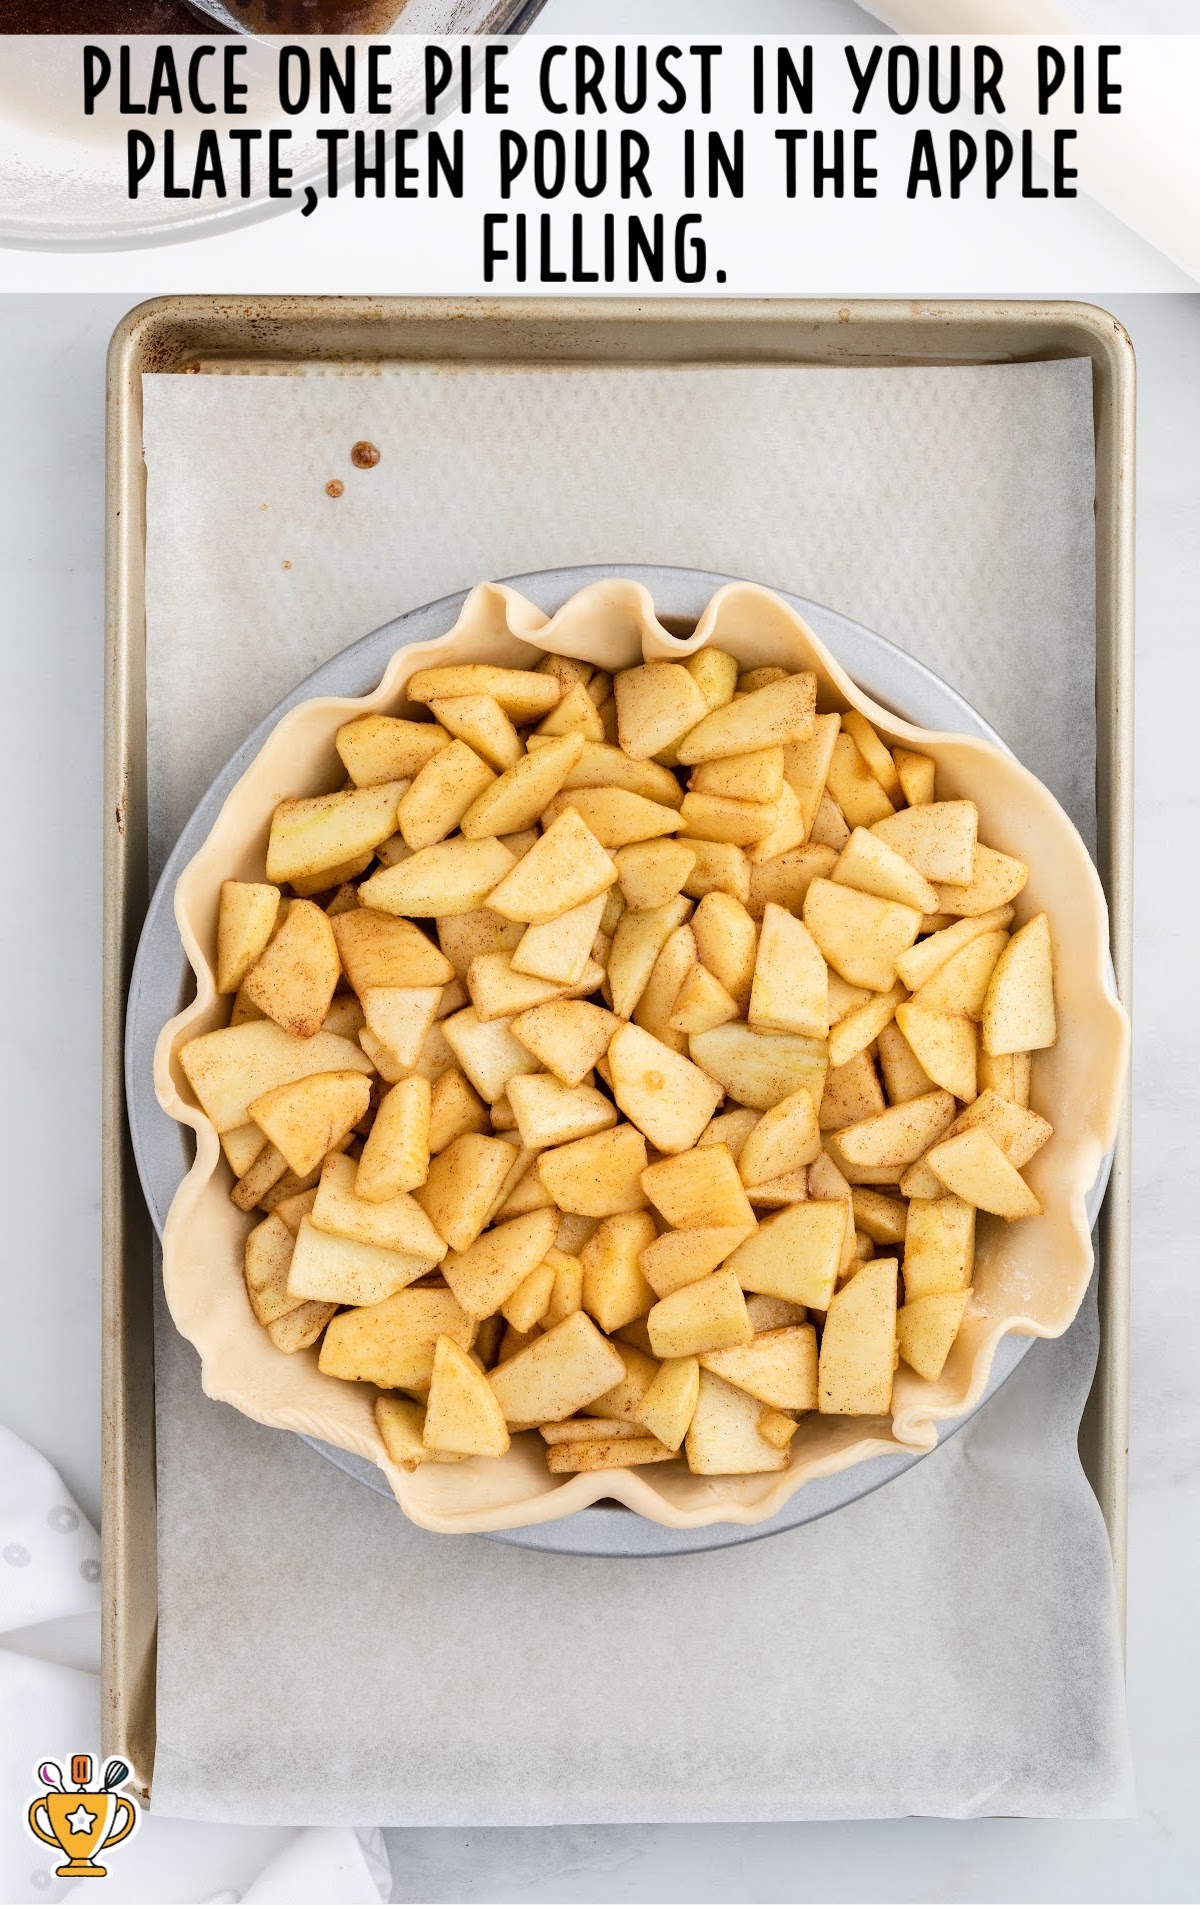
(50, 1709)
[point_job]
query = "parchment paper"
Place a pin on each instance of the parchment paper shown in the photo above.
(947, 1645)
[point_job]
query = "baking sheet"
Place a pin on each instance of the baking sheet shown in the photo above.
(829, 498)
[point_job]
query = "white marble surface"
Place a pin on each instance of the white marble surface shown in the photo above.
(51, 684)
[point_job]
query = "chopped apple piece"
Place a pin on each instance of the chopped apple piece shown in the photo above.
(581, 1458)
(945, 1044)
(481, 722)
(601, 765)
(465, 937)
(699, 1190)
(614, 816)
(329, 1269)
(995, 880)
(485, 1273)
(777, 1428)
(637, 943)
(652, 872)
(293, 980)
(939, 1246)
(656, 1006)
(400, 1018)
(523, 694)
(229, 1068)
(392, 1343)
(796, 1254)
(779, 1367)
(860, 1027)
(973, 1166)
(926, 1329)
(705, 1315)
(759, 1068)
(730, 1128)
(567, 1036)
(860, 935)
(701, 1003)
(498, 991)
(300, 1328)
(680, 1257)
(563, 1371)
(786, 878)
(874, 753)
(656, 704)
(893, 1138)
(669, 1404)
(961, 984)
(245, 922)
(463, 1182)
(401, 1425)
(829, 828)
(377, 949)
(1018, 1012)
(790, 1187)
(786, 1138)
(667, 1097)
(318, 836)
(487, 1051)
(858, 1345)
(441, 794)
(786, 835)
(916, 774)
(917, 966)
(399, 1224)
(614, 1289)
(869, 864)
(567, 867)
(860, 798)
(919, 1181)
(378, 748)
(773, 1313)
(455, 1109)
(576, 713)
(715, 674)
(548, 1112)
(1007, 1073)
(566, 1295)
(523, 791)
(622, 1401)
(530, 1301)
(559, 949)
(720, 868)
(456, 876)
(599, 1176)
(267, 1258)
(790, 991)
(396, 1154)
(757, 776)
(306, 1119)
(885, 1219)
(780, 713)
(739, 822)
(806, 766)
(590, 1429)
(723, 1437)
(727, 943)
(241, 1146)
(938, 838)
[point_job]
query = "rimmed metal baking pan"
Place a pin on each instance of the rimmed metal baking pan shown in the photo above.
(292, 334)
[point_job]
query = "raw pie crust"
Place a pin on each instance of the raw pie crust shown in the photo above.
(1029, 1277)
